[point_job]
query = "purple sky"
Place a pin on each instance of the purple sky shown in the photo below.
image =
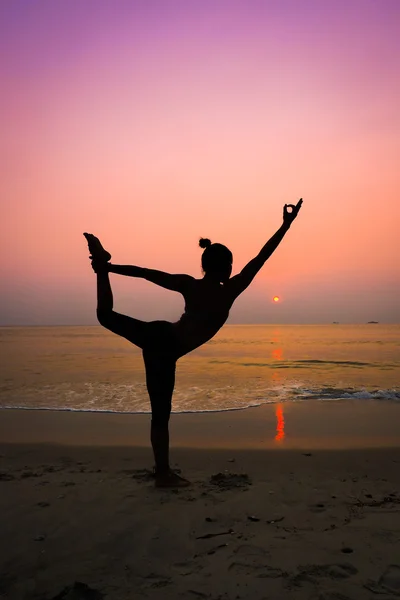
(154, 123)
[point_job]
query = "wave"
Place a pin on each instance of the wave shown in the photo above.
(126, 412)
(196, 400)
(350, 393)
(298, 364)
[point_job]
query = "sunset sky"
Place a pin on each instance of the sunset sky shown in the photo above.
(152, 123)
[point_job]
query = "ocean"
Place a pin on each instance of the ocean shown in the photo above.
(91, 369)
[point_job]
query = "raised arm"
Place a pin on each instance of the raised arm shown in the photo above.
(240, 282)
(176, 283)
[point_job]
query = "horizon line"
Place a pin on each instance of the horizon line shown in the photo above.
(226, 324)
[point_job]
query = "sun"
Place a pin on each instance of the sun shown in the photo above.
(276, 298)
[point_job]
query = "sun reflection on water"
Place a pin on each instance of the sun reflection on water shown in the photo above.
(280, 423)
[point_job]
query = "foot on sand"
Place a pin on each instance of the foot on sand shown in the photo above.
(96, 249)
(171, 480)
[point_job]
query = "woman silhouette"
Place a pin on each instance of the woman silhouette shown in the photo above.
(207, 304)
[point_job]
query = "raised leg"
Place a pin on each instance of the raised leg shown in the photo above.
(105, 300)
(160, 380)
(134, 330)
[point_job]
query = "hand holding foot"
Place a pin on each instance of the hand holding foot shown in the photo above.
(100, 266)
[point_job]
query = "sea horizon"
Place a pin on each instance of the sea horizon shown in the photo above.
(227, 324)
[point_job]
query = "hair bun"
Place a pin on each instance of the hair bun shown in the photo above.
(204, 242)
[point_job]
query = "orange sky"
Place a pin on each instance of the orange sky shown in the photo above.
(153, 124)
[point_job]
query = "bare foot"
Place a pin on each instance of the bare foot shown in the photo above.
(170, 480)
(96, 249)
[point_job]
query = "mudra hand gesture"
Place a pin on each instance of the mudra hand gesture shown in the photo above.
(289, 217)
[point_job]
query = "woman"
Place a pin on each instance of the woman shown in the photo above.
(207, 304)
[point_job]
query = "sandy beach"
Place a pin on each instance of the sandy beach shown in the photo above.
(265, 517)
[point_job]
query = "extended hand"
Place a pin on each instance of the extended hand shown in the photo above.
(99, 266)
(289, 217)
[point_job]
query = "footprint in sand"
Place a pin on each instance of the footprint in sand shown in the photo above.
(27, 474)
(333, 596)
(139, 474)
(335, 571)
(251, 550)
(388, 583)
(153, 580)
(317, 508)
(250, 559)
(228, 481)
(249, 565)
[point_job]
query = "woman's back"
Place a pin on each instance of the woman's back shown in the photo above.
(207, 306)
